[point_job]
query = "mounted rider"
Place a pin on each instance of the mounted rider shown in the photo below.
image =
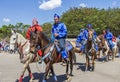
(59, 33)
(32, 28)
(109, 36)
(83, 37)
(81, 40)
(35, 27)
(89, 28)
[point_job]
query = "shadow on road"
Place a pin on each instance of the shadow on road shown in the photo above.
(39, 77)
(81, 66)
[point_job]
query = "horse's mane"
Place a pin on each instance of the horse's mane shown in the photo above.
(21, 38)
(101, 37)
(44, 36)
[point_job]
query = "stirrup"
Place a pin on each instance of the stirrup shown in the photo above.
(40, 60)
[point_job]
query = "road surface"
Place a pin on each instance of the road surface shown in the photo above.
(10, 69)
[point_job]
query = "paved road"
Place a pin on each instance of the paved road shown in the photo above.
(10, 69)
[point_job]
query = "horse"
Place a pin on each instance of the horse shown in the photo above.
(76, 49)
(50, 54)
(118, 45)
(90, 52)
(104, 48)
(25, 56)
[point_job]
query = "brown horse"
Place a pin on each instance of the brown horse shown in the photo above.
(90, 52)
(76, 49)
(104, 48)
(50, 54)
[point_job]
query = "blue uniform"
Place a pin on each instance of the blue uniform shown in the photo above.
(108, 36)
(82, 39)
(61, 30)
(86, 34)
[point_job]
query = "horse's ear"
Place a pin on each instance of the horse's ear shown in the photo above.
(35, 30)
(13, 31)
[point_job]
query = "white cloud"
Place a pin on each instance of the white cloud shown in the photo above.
(83, 5)
(6, 20)
(114, 3)
(51, 4)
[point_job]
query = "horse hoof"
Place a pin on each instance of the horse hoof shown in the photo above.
(20, 80)
(63, 64)
(31, 80)
(43, 80)
(55, 78)
(67, 76)
(69, 79)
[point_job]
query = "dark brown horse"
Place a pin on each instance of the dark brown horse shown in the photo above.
(90, 52)
(50, 54)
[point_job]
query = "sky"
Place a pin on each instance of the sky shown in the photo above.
(14, 11)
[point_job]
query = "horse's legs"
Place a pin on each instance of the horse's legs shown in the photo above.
(30, 73)
(106, 55)
(67, 67)
(53, 73)
(69, 77)
(93, 63)
(87, 63)
(71, 62)
(24, 69)
(98, 58)
(48, 66)
(22, 74)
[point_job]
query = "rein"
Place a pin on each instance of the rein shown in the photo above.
(21, 48)
(49, 53)
(46, 46)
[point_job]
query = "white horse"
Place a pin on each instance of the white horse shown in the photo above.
(26, 57)
(12, 46)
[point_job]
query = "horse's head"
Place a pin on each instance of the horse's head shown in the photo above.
(101, 43)
(17, 39)
(38, 39)
(33, 42)
(13, 38)
(90, 35)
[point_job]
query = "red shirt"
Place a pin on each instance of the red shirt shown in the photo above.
(32, 28)
(114, 39)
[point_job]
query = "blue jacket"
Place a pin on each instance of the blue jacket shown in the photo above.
(86, 34)
(60, 29)
(108, 36)
(80, 37)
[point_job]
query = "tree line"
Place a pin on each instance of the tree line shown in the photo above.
(75, 19)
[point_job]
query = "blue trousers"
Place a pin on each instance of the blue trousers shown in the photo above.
(111, 45)
(62, 46)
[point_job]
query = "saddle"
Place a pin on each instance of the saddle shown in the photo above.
(68, 46)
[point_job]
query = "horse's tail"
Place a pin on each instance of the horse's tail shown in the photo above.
(73, 52)
(74, 57)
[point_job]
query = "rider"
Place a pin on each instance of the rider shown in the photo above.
(59, 33)
(82, 40)
(109, 36)
(89, 28)
(32, 28)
